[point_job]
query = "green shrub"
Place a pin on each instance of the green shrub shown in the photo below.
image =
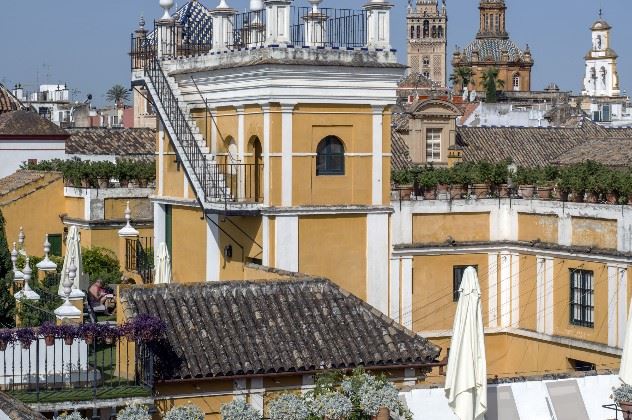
(101, 263)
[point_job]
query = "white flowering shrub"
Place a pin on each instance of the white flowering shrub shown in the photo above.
(372, 399)
(239, 410)
(289, 407)
(334, 406)
(75, 415)
(134, 412)
(186, 412)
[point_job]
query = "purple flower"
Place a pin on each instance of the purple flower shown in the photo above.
(145, 328)
(68, 330)
(25, 336)
(49, 329)
(89, 330)
(7, 336)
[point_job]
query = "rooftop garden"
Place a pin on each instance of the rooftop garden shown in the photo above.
(589, 182)
(103, 174)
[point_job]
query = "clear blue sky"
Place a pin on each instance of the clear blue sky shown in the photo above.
(85, 42)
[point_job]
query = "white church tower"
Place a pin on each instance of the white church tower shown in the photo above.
(601, 77)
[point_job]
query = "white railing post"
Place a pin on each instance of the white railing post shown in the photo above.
(223, 26)
(315, 29)
(166, 31)
(278, 22)
(378, 24)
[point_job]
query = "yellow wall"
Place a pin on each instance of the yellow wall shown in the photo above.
(532, 227)
(188, 261)
(335, 247)
(36, 207)
(239, 232)
(528, 296)
(510, 355)
(75, 207)
(114, 208)
(436, 228)
(433, 306)
(600, 233)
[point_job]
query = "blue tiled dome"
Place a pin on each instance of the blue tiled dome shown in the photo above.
(493, 48)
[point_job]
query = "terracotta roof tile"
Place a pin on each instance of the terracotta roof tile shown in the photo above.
(20, 179)
(27, 123)
(115, 141)
(16, 410)
(233, 328)
(610, 151)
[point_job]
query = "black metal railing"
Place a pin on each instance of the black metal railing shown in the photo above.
(334, 28)
(206, 171)
(243, 181)
(54, 370)
(139, 257)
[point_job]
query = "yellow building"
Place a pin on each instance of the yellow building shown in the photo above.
(288, 149)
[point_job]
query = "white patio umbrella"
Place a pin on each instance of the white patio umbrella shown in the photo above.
(163, 265)
(625, 371)
(73, 250)
(466, 377)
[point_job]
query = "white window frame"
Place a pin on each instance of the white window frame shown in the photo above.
(433, 144)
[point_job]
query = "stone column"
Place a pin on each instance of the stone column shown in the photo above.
(223, 26)
(378, 24)
(278, 22)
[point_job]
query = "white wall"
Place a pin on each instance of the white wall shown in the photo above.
(14, 152)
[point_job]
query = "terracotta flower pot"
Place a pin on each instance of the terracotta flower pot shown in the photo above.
(69, 340)
(544, 193)
(383, 414)
(503, 191)
(626, 408)
(89, 338)
(103, 183)
(592, 197)
(109, 340)
(405, 191)
(457, 192)
(124, 183)
(26, 344)
(526, 191)
(430, 194)
(612, 198)
(3, 345)
(49, 340)
(577, 197)
(480, 190)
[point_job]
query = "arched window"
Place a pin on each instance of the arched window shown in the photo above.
(516, 82)
(330, 157)
(434, 31)
(412, 32)
(440, 31)
(418, 31)
(426, 29)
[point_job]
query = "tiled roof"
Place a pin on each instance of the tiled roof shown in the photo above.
(415, 80)
(400, 159)
(26, 123)
(16, 410)
(111, 141)
(526, 146)
(20, 179)
(610, 151)
(8, 102)
(230, 328)
(492, 48)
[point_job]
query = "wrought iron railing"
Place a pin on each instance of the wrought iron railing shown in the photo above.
(56, 370)
(139, 257)
(209, 174)
(340, 28)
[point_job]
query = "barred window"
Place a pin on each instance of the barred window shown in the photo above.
(433, 144)
(582, 309)
(457, 278)
(330, 157)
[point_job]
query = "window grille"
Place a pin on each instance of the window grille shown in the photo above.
(582, 309)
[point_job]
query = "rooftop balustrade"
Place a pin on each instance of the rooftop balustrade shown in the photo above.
(277, 24)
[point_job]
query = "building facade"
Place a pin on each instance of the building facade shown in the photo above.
(493, 49)
(427, 39)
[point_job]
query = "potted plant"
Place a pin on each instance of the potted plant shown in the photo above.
(239, 409)
(482, 175)
(50, 331)
(68, 332)
(89, 331)
(25, 336)
(289, 407)
(109, 333)
(500, 176)
(124, 172)
(460, 179)
(403, 182)
(145, 328)
(134, 411)
(622, 395)
(104, 171)
(609, 180)
(333, 406)
(6, 337)
(544, 186)
(443, 177)
(526, 182)
(427, 179)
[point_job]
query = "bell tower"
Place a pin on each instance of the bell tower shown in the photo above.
(602, 77)
(427, 39)
(492, 19)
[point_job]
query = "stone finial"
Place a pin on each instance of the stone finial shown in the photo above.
(223, 5)
(166, 5)
(17, 274)
(128, 231)
(46, 264)
(256, 5)
(141, 22)
(315, 4)
(67, 309)
(21, 238)
(27, 292)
